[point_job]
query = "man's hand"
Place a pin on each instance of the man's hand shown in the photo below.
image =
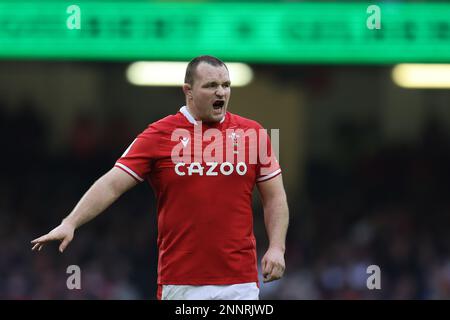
(100, 196)
(64, 232)
(273, 264)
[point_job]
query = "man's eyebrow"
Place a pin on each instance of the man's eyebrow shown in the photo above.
(215, 82)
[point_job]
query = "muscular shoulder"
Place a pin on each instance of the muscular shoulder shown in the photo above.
(164, 126)
(242, 122)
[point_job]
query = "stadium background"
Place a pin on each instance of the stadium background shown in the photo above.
(365, 164)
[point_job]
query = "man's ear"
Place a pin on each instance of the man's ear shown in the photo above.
(187, 90)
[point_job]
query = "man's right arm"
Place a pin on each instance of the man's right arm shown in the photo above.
(100, 196)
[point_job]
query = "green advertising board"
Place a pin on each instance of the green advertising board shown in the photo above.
(252, 32)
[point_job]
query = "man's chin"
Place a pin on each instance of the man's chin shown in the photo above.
(213, 120)
(216, 117)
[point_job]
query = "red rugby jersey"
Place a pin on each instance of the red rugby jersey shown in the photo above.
(203, 188)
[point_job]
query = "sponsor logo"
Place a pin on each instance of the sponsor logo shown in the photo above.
(214, 152)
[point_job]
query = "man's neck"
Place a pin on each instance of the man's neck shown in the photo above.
(196, 118)
(191, 112)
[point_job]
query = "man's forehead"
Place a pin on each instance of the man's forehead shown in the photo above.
(207, 73)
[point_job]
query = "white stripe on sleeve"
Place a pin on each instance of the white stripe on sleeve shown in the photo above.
(268, 176)
(134, 174)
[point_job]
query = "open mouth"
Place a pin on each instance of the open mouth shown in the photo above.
(218, 104)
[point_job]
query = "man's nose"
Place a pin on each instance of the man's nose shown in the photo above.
(220, 92)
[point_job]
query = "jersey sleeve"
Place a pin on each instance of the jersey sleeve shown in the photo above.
(267, 166)
(138, 157)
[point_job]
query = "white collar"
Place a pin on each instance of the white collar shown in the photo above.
(184, 110)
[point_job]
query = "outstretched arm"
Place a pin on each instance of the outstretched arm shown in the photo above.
(276, 219)
(100, 196)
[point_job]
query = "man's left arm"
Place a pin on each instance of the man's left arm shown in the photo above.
(276, 219)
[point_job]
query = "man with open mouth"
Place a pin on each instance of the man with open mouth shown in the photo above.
(207, 248)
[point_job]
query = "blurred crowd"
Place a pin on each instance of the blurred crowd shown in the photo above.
(373, 203)
(116, 252)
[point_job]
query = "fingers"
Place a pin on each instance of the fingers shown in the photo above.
(37, 246)
(63, 233)
(64, 244)
(277, 272)
(268, 278)
(274, 275)
(264, 263)
(267, 269)
(273, 272)
(41, 239)
(39, 242)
